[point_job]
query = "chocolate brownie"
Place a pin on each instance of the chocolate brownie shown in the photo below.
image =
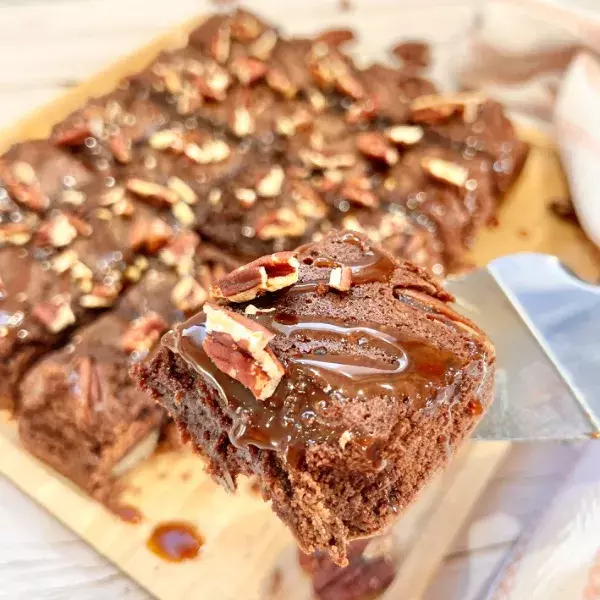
(37, 176)
(80, 413)
(339, 376)
(36, 313)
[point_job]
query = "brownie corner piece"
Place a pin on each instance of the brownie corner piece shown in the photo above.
(339, 376)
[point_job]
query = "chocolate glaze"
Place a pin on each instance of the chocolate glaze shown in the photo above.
(344, 361)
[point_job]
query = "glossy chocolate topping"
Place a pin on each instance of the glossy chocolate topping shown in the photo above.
(328, 362)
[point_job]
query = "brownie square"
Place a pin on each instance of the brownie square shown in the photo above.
(338, 376)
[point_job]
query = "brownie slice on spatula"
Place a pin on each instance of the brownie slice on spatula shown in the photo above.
(336, 374)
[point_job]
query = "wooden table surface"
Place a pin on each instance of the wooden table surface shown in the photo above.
(48, 46)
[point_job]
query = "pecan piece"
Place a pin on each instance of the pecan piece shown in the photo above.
(55, 314)
(413, 53)
(17, 234)
(374, 145)
(245, 27)
(308, 202)
(278, 81)
(242, 121)
(270, 185)
(182, 189)
(58, 232)
(340, 278)
(100, 296)
(149, 235)
(153, 193)
(358, 191)
(220, 44)
(336, 37)
(263, 46)
(446, 171)
(188, 295)
(320, 160)
(214, 83)
(238, 347)
(181, 248)
(405, 135)
(283, 222)
(121, 148)
(435, 108)
(266, 274)
(211, 151)
(21, 182)
(89, 386)
(248, 69)
(167, 139)
(143, 333)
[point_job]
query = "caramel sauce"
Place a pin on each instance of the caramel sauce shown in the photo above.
(335, 363)
(296, 415)
(175, 541)
(129, 514)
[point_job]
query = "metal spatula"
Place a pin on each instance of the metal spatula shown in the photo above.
(545, 324)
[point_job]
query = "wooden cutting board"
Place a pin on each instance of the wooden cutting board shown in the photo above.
(244, 543)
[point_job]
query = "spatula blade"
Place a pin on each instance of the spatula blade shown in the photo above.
(545, 324)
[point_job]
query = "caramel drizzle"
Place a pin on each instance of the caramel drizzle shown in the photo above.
(370, 360)
(296, 416)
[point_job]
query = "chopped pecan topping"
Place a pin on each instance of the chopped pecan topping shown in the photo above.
(167, 139)
(358, 191)
(62, 262)
(74, 134)
(405, 135)
(153, 193)
(214, 83)
(89, 386)
(17, 234)
(374, 145)
(238, 347)
(150, 235)
(184, 214)
(340, 278)
(336, 37)
(434, 108)
(183, 190)
(412, 53)
(246, 196)
(74, 197)
(59, 231)
(112, 196)
(188, 295)
(181, 248)
(270, 185)
(266, 274)
(21, 182)
(278, 80)
(120, 148)
(143, 333)
(248, 69)
(320, 160)
(283, 222)
(56, 314)
(362, 111)
(307, 200)
(245, 27)
(211, 151)
(446, 171)
(263, 46)
(100, 296)
(220, 44)
(242, 121)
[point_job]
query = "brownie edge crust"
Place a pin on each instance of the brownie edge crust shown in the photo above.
(337, 375)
